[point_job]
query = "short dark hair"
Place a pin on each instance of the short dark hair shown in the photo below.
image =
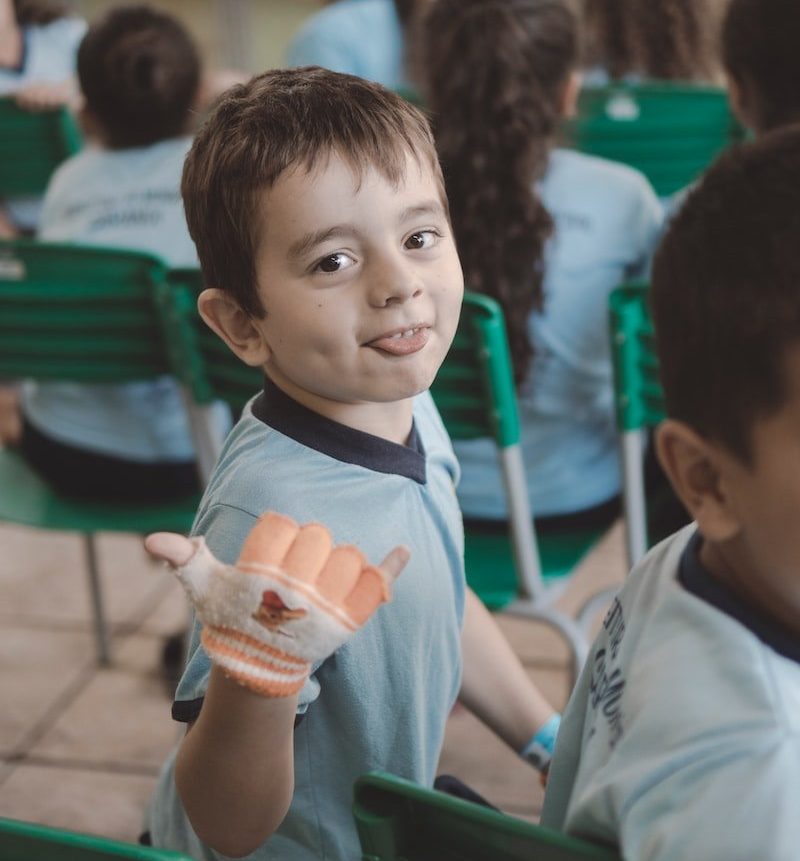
(726, 292)
(280, 120)
(139, 71)
(761, 52)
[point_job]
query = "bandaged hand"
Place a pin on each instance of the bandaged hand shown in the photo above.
(290, 601)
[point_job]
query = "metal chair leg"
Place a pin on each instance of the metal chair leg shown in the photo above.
(100, 627)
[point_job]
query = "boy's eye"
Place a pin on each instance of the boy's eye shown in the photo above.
(334, 263)
(422, 239)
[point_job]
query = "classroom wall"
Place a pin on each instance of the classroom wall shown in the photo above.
(245, 34)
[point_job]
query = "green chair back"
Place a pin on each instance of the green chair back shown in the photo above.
(26, 841)
(638, 396)
(200, 358)
(400, 821)
(670, 132)
(639, 403)
(32, 145)
(476, 397)
(83, 315)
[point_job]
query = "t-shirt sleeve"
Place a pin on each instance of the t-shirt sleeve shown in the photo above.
(741, 804)
(224, 529)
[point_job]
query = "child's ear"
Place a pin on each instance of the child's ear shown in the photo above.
(698, 475)
(737, 97)
(236, 328)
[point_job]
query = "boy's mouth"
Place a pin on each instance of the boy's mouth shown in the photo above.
(402, 342)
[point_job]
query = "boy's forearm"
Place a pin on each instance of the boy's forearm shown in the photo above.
(235, 767)
(495, 686)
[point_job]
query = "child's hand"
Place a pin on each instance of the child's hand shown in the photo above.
(291, 599)
(45, 97)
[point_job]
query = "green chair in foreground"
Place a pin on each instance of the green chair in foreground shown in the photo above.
(32, 145)
(475, 394)
(82, 315)
(639, 402)
(670, 132)
(400, 821)
(27, 841)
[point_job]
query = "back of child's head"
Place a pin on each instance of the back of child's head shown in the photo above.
(280, 121)
(761, 52)
(726, 292)
(495, 76)
(660, 39)
(139, 71)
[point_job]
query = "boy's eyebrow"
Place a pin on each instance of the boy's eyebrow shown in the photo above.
(317, 237)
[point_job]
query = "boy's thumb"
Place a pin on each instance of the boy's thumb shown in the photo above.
(171, 547)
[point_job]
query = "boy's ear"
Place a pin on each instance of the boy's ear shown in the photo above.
(738, 99)
(698, 475)
(236, 328)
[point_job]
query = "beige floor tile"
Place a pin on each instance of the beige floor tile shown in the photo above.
(37, 669)
(171, 613)
(94, 802)
(45, 580)
(122, 717)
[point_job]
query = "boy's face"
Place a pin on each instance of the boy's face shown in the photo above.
(361, 283)
(763, 558)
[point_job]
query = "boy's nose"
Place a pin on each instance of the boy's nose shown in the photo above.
(392, 284)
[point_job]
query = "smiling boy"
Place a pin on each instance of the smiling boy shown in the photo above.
(319, 213)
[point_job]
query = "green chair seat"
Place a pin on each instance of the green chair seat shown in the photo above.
(28, 841)
(400, 821)
(26, 499)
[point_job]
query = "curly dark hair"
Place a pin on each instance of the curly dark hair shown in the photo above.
(494, 75)
(663, 39)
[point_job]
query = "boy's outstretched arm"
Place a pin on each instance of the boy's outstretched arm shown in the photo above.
(289, 602)
(495, 686)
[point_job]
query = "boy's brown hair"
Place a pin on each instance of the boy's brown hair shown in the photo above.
(279, 121)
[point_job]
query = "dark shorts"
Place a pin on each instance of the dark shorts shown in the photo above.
(87, 475)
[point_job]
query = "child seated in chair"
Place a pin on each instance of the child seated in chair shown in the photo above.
(318, 209)
(682, 739)
(139, 72)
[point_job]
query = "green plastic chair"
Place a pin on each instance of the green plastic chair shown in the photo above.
(639, 402)
(204, 364)
(84, 315)
(28, 841)
(476, 397)
(32, 145)
(670, 132)
(400, 821)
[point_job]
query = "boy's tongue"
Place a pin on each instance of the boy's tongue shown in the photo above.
(403, 343)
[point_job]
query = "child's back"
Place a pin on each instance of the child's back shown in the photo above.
(682, 738)
(139, 72)
(547, 232)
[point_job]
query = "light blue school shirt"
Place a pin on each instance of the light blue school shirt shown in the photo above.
(380, 701)
(121, 199)
(607, 221)
(360, 37)
(682, 738)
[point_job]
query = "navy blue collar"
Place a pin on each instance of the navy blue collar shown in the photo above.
(695, 578)
(277, 410)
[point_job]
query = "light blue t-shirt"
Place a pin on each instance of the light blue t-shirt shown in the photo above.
(682, 738)
(120, 199)
(360, 37)
(49, 55)
(607, 220)
(381, 701)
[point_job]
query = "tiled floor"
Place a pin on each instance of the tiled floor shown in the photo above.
(80, 746)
